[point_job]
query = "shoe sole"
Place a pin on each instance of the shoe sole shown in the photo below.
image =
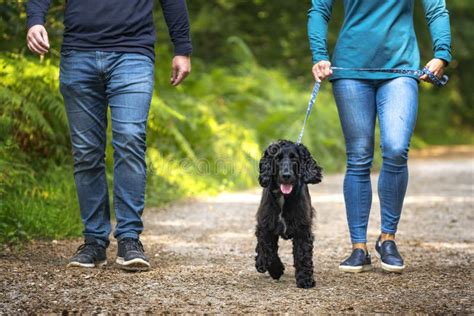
(389, 267)
(136, 264)
(364, 268)
(76, 264)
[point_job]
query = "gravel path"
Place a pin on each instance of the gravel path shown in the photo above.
(202, 254)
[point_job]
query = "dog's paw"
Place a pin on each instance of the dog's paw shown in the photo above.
(260, 265)
(261, 269)
(306, 283)
(276, 269)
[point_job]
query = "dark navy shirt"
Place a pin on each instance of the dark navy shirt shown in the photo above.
(117, 25)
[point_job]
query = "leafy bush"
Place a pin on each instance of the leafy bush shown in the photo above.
(36, 193)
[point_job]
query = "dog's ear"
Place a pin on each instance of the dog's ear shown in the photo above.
(266, 166)
(310, 170)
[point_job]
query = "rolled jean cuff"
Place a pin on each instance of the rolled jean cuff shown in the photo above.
(359, 241)
(388, 231)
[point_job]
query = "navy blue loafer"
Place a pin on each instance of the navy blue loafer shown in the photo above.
(358, 261)
(389, 256)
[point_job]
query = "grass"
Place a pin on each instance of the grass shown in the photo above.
(40, 205)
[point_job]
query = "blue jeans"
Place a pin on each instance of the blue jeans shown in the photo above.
(359, 102)
(90, 81)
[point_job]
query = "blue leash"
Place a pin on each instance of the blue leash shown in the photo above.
(435, 80)
(317, 85)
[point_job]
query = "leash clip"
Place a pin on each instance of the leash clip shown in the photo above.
(435, 80)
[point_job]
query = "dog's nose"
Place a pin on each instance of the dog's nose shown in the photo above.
(286, 176)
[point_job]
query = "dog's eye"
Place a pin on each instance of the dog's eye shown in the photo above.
(279, 156)
(292, 156)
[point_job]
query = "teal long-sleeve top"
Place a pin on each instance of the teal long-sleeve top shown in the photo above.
(377, 34)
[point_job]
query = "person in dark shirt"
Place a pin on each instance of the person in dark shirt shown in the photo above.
(107, 60)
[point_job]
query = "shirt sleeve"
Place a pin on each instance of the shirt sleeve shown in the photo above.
(437, 18)
(36, 11)
(177, 19)
(318, 20)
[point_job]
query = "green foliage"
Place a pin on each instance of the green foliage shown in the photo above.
(37, 196)
(34, 116)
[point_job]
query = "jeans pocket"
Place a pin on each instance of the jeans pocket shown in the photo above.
(69, 89)
(68, 85)
(137, 57)
(67, 52)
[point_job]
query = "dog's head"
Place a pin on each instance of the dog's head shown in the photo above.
(285, 164)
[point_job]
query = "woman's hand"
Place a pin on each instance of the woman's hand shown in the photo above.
(436, 66)
(322, 70)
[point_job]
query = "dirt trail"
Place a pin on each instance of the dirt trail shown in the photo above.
(202, 254)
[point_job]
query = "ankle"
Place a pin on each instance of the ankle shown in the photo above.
(385, 236)
(359, 245)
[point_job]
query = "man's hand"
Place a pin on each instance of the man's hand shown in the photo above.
(37, 39)
(181, 68)
(322, 70)
(436, 66)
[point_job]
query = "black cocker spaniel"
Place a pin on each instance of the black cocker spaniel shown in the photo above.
(285, 209)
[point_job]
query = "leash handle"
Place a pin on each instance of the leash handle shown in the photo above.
(439, 82)
(316, 88)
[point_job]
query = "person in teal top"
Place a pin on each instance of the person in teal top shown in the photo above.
(376, 34)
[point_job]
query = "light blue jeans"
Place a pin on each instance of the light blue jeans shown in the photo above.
(90, 81)
(359, 102)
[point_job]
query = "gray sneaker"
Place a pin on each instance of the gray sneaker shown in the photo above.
(131, 255)
(89, 255)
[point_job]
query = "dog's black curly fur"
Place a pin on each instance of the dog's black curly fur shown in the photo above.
(286, 214)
